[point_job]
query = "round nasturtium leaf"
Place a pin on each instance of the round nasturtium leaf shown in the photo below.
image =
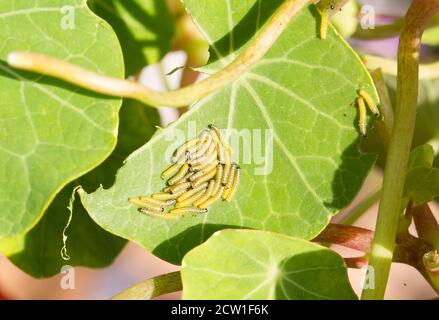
(294, 114)
(248, 264)
(51, 132)
(38, 252)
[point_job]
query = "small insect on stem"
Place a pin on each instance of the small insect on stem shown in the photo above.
(324, 21)
(362, 119)
(372, 106)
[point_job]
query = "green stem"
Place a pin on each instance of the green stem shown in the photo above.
(385, 106)
(151, 288)
(383, 245)
(380, 32)
(361, 208)
(426, 71)
(387, 30)
(262, 42)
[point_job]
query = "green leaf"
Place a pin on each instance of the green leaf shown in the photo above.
(151, 288)
(422, 184)
(431, 36)
(346, 21)
(38, 251)
(51, 132)
(245, 264)
(427, 118)
(421, 156)
(144, 27)
(302, 93)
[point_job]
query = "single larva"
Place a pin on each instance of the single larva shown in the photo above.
(163, 196)
(206, 195)
(183, 149)
(212, 199)
(171, 170)
(189, 201)
(219, 175)
(229, 182)
(222, 147)
(180, 186)
(187, 210)
(208, 161)
(191, 192)
(146, 205)
(179, 175)
(202, 172)
(235, 183)
(209, 175)
(157, 202)
(204, 165)
(174, 195)
(226, 172)
(362, 119)
(203, 148)
(154, 214)
(203, 157)
(372, 106)
(324, 21)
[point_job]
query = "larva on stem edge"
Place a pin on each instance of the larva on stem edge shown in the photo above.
(362, 118)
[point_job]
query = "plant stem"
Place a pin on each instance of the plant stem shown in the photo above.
(151, 288)
(385, 106)
(426, 225)
(383, 245)
(389, 67)
(348, 236)
(387, 30)
(361, 208)
(356, 262)
(262, 42)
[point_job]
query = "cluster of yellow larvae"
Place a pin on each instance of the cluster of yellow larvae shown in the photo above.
(200, 174)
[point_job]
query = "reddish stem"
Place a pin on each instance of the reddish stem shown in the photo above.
(348, 236)
(426, 224)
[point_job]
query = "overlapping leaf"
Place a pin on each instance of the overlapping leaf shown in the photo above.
(301, 92)
(51, 132)
(262, 265)
(38, 251)
(144, 28)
